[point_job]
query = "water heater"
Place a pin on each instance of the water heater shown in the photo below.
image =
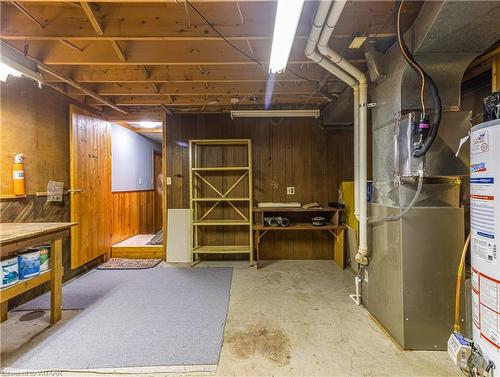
(485, 232)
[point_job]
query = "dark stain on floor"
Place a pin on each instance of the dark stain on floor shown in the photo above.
(260, 338)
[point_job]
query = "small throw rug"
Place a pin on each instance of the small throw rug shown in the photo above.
(128, 264)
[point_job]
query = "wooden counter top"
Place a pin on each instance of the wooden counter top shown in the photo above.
(15, 237)
(14, 232)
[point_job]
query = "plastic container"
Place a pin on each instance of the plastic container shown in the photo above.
(29, 264)
(44, 256)
(10, 272)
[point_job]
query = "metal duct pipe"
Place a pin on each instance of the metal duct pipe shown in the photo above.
(336, 58)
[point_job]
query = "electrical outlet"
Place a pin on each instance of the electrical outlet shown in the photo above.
(140, 181)
(169, 180)
(290, 190)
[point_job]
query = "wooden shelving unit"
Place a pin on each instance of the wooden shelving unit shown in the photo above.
(220, 175)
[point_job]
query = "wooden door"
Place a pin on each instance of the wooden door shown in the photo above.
(158, 185)
(90, 177)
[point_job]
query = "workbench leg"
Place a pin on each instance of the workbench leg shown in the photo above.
(257, 243)
(5, 309)
(339, 248)
(56, 271)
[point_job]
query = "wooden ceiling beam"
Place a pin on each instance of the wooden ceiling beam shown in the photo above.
(190, 74)
(24, 11)
(210, 100)
(43, 67)
(119, 51)
(171, 53)
(153, 21)
(149, 1)
(92, 17)
(199, 89)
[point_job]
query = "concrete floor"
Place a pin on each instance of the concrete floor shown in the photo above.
(291, 318)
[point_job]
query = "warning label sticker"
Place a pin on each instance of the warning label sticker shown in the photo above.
(489, 325)
(479, 143)
(485, 250)
(489, 293)
(475, 308)
(475, 280)
(488, 309)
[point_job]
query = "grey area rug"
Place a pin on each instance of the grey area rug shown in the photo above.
(157, 317)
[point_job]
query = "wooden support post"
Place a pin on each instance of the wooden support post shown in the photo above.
(338, 249)
(56, 268)
(5, 309)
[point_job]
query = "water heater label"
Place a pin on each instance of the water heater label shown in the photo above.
(475, 308)
(475, 280)
(479, 142)
(485, 230)
(486, 250)
(489, 294)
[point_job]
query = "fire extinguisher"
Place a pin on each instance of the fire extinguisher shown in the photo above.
(18, 174)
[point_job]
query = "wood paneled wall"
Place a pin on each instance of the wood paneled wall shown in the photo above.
(133, 213)
(34, 121)
(289, 152)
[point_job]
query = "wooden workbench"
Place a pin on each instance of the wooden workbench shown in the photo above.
(16, 237)
(300, 221)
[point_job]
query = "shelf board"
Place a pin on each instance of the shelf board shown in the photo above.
(222, 168)
(24, 285)
(221, 199)
(221, 141)
(220, 222)
(226, 249)
(296, 226)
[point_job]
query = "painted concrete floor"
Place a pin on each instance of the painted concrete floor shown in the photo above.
(290, 318)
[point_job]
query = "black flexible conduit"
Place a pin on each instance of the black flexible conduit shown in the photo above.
(425, 78)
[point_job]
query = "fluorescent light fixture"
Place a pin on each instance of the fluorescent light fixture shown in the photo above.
(357, 42)
(285, 26)
(274, 114)
(146, 124)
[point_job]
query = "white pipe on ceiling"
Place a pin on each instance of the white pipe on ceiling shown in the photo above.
(336, 58)
(312, 53)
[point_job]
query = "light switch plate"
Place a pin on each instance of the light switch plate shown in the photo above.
(290, 190)
(169, 180)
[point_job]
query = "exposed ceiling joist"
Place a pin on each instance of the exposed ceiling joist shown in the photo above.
(84, 90)
(172, 38)
(24, 11)
(92, 17)
(210, 100)
(181, 74)
(119, 51)
(153, 55)
(198, 89)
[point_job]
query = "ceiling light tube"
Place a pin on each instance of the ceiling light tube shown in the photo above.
(285, 26)
(275, 114)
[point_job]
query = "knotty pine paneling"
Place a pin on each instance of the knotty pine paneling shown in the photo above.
(133, 213)
(34, 121)
(288, 152)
